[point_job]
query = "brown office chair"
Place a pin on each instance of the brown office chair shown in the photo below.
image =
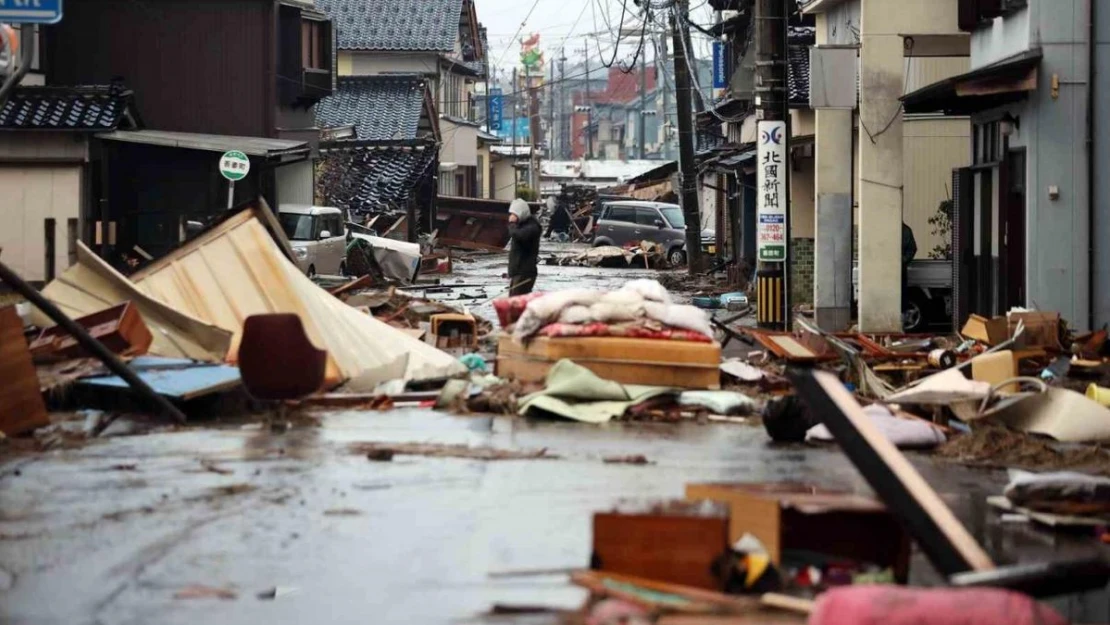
(277, 360)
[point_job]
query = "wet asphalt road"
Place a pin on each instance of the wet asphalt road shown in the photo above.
(108, 533)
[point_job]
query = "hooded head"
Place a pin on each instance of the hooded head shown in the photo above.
(520, 208)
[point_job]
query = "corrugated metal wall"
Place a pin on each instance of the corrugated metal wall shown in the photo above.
(199, 66)
(932, 149)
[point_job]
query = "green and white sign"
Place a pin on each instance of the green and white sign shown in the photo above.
(234, 165)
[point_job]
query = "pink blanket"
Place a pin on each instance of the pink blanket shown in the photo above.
(888, 605)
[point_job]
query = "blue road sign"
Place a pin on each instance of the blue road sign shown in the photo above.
(496, 105)
(31, 11)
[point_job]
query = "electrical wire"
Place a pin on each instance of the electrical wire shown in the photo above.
(901, 105)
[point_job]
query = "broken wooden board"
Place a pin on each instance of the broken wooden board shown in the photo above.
(675, 542)
(945, 541)
(787, 516)
(21, 406)
(119, 328)
(679, 364)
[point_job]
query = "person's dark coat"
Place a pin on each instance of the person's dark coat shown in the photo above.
(524, 250)
(909, 245)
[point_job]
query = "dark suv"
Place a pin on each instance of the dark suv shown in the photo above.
(629, 222)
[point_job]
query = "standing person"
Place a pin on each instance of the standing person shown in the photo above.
(524, 232)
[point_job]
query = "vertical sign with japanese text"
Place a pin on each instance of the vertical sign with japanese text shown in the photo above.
(496, 108)
(772, 195)
(720, 80)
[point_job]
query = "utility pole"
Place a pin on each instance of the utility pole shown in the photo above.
(773, 168)
(661, 63)
(589, 107)
(513, 94)
(686, 170)
(534, 129)
(641, 127)
(551, 112)
(563, 122)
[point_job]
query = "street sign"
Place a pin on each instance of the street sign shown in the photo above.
(31, 11)
(496, 108)
(234, 165)
(720, 80)
(771, 197)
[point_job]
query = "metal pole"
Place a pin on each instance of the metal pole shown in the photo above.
(787, 265)
(687, 174)
(516, 176)
(90, 344)
(662, 62)
(563, 121)
(589, 107)
(640, 127)
(230, 194)
(533, 134)
(551, 112)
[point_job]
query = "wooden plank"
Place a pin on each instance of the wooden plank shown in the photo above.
(662, 596)
(680, 364)
(945, 541)
(21, 406)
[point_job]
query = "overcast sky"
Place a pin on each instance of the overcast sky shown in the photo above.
(568, 24)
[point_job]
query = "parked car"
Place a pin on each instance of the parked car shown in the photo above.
(318, 237)
(629, 221)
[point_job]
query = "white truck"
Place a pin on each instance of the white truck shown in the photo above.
(930, 294)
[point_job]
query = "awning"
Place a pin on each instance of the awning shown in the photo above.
(251, 146)
(999, 83)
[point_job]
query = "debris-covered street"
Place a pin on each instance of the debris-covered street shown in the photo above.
(733, 312)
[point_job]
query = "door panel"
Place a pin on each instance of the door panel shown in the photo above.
(31, 195)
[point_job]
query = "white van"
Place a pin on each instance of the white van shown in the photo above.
(318, 237)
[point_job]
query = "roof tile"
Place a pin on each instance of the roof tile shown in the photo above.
(410, 25)
(384, 107)
(374, 179)
(65, 108)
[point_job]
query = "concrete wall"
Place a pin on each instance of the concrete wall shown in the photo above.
(483, 156)
(31, 146)
(1053, 130)
(460, 143)
(801, 198)
(1101, 270)
(32, 194)
(295, 183)
(1005, 37)
(933, 148)
(355, 63)
(504, 179)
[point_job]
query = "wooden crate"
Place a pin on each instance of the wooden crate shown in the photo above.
(21, 405)
(120, 328)
(787, 516)
(679, 364)
(673, 542)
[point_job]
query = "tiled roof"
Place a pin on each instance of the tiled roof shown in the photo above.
(410, 25)
(65, 108)
(797, 67)
(376, 178)
(382, 108)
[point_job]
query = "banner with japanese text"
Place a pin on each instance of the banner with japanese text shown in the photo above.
(772, 195)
